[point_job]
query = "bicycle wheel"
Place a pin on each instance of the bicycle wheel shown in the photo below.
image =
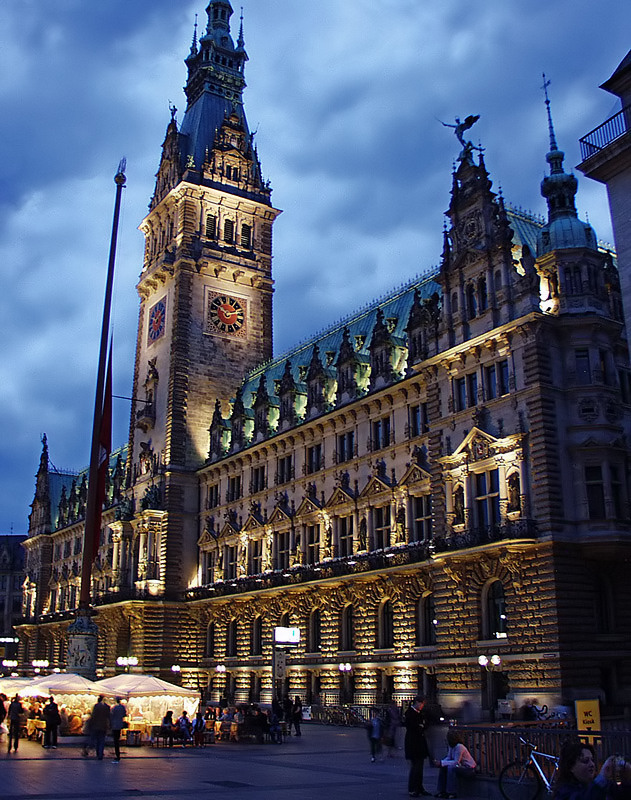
(519, 781)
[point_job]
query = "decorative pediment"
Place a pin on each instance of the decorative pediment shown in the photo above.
(207, 538)
(414, 474)
(228, 530)
(340, 497)
(307, 506)
(479, 445)
(252, 522)
(374, 486)
(278, 516)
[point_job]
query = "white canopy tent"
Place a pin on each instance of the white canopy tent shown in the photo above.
(149, 697)
(62, 683)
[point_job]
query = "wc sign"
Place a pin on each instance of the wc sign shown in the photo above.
(588, 716)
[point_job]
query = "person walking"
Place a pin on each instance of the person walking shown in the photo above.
(99, 722)
(14, 715)
(118, 713)
(53, 721)
(416, 750)
(374, 729)
(296, 715)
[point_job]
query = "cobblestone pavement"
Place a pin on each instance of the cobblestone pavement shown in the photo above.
(325, 763)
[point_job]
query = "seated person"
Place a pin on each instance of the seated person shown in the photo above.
(577, 779)
(458, 762)
(184, 727)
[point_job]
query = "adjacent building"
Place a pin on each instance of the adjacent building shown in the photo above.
(440, 478)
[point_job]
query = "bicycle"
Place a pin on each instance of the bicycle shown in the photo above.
(524, 780)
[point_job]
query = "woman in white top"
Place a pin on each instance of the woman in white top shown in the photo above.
(458, 762)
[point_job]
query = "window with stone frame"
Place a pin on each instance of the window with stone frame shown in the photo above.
(281, 550)
(345, 536)
(209, 649)
(595, 490)
(211, 226)
(418, 420)
(494, 626)
(259, 479)
(381, 527)
(230, 562)
(209, 563)
(583, 367)
(426, 621)
(314, 631)
(256, 638)
(228, 231)
(246, 236)
(486, 500)
(345, 446)
(234, 488)
(285, 469)
(313, 462)
(231, 639)
(496, 380)
(381, 433)
(312, 543)
(421, 529)
(385, 626)
(347, 629)
(212, 496)
(255, 556)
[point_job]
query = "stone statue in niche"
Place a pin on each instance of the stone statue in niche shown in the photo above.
(514, 492)
(363, 534)
(459, 506)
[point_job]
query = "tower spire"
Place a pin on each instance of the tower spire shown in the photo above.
(241, 40)
(194, 43)
(555, 156)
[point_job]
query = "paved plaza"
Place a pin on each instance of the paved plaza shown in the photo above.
(325, 762)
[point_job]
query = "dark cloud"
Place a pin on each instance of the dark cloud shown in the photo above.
(346, 98)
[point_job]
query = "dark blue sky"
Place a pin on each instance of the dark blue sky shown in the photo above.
(345, 98)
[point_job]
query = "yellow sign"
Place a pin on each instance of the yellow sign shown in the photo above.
(588, 716)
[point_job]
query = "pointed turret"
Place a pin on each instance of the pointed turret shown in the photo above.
(40, 516)
(564, 229)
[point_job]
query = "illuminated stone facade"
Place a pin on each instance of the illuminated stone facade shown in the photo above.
(440, 477)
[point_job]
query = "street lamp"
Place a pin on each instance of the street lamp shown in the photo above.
(9, 663)
(127, 662)
(175, 669)
(345, 667)
(39, 664)
(492, 664)
(220, 668)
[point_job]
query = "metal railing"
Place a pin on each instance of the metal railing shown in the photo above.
(604, 134)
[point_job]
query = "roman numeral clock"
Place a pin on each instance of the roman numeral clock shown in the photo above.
(226, 314)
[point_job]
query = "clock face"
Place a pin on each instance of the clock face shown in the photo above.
(225, 313)
(157, 317)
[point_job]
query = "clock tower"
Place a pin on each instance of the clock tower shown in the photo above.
(205, 304)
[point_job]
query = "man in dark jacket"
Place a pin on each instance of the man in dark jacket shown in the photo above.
(99, 723)
(53, 720)
(416, 750)
(16, 710)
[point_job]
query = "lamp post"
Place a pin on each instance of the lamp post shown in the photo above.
(127, 662)
(492, 665)
(176, 670)
(345, 673)
(39, 664)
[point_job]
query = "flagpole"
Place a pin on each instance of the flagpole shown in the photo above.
(82, 633)
(92, 511)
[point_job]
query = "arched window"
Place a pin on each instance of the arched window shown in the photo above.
(256, 645)
(347, 633)
(482, 294)
(426, 621)
(472, 309)
(231, 638)
(210, 640)
(284, 620)
(314, 642)
(494, 609)
(385, 628)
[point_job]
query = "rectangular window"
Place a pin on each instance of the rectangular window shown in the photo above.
(67, 546)
(314, 458)
(211, 226)
(487, 498)
(496, 380)
(422, 521)
(212, 496)
(256, 556)
(345, 536)
(208, 567)
(312, 543)
(258, 479)
(285, 470)
(281, 548)
(246, 236)
(228, 231)
(418, 419)
(583, 370)
(381, 528)
(490, 382)
(595, 492)
(460, 394)
(234, 488)
(502, 377)
(345, 446)
(78, 545)
(230, 563)
(604, 367)
(380, 433)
